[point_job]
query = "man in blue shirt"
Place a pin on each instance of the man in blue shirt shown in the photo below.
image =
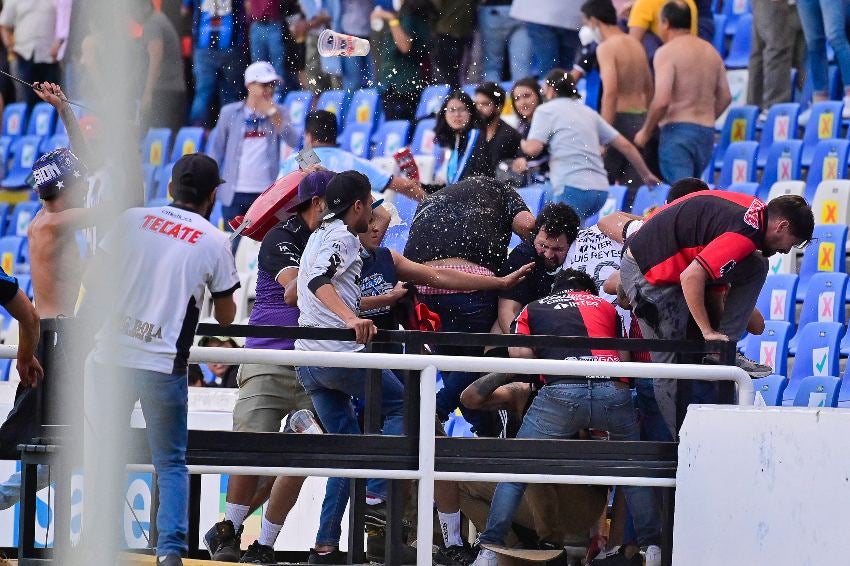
(320, 131)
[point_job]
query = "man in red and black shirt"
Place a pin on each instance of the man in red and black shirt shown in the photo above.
(567, 404)
(702, 238)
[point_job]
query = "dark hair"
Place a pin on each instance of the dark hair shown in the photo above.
(422, 9)
(684, 187)
(677, 14)
(322, 126)
(558, 218)
(563, 83)
(602, 10)
(796, 211)
(574, 280)
(494, 92)
(444, 135)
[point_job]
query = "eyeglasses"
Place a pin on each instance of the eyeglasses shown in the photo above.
(457, 110)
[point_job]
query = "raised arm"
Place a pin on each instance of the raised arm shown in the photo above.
(53, 95)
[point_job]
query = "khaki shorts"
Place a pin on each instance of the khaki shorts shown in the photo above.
(267, 393)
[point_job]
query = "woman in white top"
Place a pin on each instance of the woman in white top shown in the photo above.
(574, 134)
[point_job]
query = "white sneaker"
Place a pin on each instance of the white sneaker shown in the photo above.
(652, 555)
(487, 557)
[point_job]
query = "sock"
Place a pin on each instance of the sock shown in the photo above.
(236, 514)
(373, 500)
(268, 532)
(450, 525)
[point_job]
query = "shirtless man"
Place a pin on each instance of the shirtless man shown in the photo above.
(691, 91)
(626, 84)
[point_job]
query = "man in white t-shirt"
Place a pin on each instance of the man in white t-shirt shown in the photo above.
(158, 262)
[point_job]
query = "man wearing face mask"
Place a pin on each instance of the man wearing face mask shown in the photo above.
(557, 227)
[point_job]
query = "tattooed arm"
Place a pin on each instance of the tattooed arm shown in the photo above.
(496, 391)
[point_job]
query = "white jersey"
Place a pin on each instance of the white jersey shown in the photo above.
(163, 258)
(332, 256)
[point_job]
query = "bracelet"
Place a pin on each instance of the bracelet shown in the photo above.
(394, 22)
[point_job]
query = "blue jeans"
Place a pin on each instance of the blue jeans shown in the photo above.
(652, 426)
(824, 20)
(331, 390)
(357, 73)
(553, 47)
(461, 312)
(684, 150)
(498, 29)
(267, 45)
(586, 202)
(561, 411)
(218, 73)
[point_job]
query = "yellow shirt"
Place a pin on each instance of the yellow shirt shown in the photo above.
(646, 14)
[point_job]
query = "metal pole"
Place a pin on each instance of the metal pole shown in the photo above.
(425, 507)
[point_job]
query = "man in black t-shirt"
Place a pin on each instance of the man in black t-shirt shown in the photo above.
(557, 227)
(501, 141)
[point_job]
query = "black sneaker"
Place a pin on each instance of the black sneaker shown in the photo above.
(259, 554)
(617, 557)
(455, 555)
(170, 560)
(336, 556)
(223, 542)
(375, 519)
(375, 548)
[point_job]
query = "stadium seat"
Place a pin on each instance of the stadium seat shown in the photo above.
(829, 162)
(719, 39)
(364, 108)
(780, 125)
(188, 140)
(156, 146)
(783, 163)
(25, 284)
(333, 101)
(615, 201)
(42, 120)
(356, 139)
(776, 301)
(5, 154)
(150, 177)
(15, 119)
(534, 198)
(423, 137)
(649, 198)
(396, 237)
(5, 366)
(739, 126)
(818, 391)
(834, 87)
(783, 263)
(733, 10)
(431, 100)
(406, 208)
(825, 253)
(298, 102)
(390, 137)
(60, 125)
(824, 303)
(742, 43)
(216, 216)
(25, 150)
(164, 177)
(831, 202)
(817, 353)
(771, 347)
(824, 124)
(771, 389)
(750, 189)
(54, 142)
(780, 188)
(4, 217)
(20, 218)
(11, 253)
(247, 252)
(739, 163)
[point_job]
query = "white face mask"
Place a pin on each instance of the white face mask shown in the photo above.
(588, 35)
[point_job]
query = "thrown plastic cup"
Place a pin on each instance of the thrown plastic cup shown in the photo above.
(303, 421)
(334, 44)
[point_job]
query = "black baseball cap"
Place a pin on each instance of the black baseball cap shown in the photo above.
(194, 177)
(344, 190)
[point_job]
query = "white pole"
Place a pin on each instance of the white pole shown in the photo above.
(496, 477)
(288, 471)
(427, 420)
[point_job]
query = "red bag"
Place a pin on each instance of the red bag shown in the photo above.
(269, 208)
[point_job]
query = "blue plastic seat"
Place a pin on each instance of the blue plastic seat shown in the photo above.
(817, 353)
(60, 125)
(5, 366)
(396, 237)
(54, 142)
(156, 146)
(771, 389)
(834, 87)
(648, 198)
(188, 140)
(615, 201)
(298, 102)
(750, 189)
(818, 391)
(739, 126)
(739, 163)
(20, 218)
(356, 139)
(824, 124)
(742, 43)
(829, 161)
(534, 198)
(825, 253)
(364, 108)
(824, 303)
(150, 178)
(431, 100)
(734, 10)
(157, 202)
(15, 119)
(333, 101)
(25, 150)
(776, 301)
(25, 284)
(406, 208)
(164, 177)
(42, 120)
(719, 39)
(780, 125)
(4, 217)
(783, 163)
(771, 346)
(390, 137)
(217, 216)
(11, 253)
(423, 137)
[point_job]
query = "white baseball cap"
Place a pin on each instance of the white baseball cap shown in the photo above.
(261, 72)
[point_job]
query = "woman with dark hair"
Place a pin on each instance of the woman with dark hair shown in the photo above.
(458, 132)
(526, 97)
(574, 133)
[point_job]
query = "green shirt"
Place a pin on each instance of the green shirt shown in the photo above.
(457, 17)
(403, 71)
